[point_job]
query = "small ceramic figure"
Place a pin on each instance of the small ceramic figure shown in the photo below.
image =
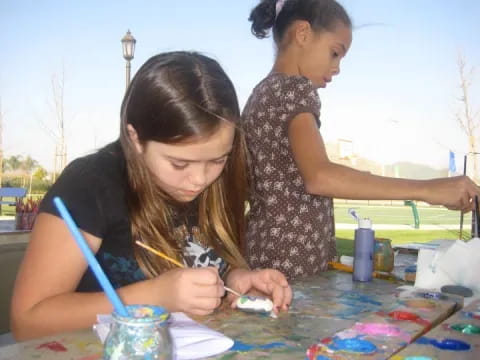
(256, 304)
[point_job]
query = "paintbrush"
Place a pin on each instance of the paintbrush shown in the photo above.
(175, 262)
(476, 214)
(90, 258)
(348, 268)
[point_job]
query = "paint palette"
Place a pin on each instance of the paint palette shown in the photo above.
(457, 337)
(254, 304)
(381, 334)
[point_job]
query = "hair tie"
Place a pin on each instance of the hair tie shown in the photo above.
(279, 7)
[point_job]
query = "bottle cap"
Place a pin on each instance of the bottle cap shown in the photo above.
(365, 223)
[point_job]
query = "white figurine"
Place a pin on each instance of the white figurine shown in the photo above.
(256, 304)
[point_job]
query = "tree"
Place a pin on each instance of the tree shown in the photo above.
(13, 163)
(58, 132)
(29, 164)
(60, 160)
(467, 117)
(40, 174)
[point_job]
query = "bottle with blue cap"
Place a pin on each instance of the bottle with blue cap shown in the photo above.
(364, 246)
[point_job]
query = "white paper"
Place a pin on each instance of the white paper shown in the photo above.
(461, 263)
(457, 264)
(191, 339)
(429, 274)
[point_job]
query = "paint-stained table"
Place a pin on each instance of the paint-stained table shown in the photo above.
(331, 316)
(458, 337)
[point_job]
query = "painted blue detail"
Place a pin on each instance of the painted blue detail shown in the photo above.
(353, 345)
(445, 344)
(242, 347)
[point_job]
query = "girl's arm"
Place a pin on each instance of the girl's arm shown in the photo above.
(45, 302)
(322, 177)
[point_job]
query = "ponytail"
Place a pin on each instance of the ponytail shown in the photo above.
(322, 15)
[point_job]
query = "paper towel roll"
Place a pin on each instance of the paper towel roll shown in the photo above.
(429, 275)
(461, 262)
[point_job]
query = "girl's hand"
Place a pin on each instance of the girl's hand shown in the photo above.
(267, 282)
(455, 193)
(195, 291)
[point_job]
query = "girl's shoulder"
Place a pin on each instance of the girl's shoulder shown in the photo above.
(106, 162)
(284, 93)
(281, 81)
(92, 187)
(93, 173)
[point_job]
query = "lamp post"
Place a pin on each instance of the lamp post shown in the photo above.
(128, 46)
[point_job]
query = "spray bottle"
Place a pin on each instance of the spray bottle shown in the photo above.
(364, 246)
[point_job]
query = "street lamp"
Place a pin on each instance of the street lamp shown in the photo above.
(128, 46)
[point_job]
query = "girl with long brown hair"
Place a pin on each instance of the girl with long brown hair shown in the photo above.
(175, 180)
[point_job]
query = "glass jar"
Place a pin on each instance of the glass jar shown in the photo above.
(383, 256)
(142, 335)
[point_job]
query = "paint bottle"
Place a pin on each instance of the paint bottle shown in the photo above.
(364, 244)
(142, 335)
(383, 255)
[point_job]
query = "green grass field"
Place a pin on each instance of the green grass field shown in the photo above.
(383, 214)
(345, 237)
(7, 210)
(401, 215)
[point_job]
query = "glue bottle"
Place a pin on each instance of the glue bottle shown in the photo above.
(364, 249)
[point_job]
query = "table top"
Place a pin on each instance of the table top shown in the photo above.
(326, 311)
(457, 337)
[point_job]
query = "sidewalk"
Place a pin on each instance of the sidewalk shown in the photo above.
(400, 227)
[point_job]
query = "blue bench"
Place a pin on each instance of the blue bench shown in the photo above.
(12, 192)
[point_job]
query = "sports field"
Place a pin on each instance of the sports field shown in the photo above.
(401, 215)
(396, 222)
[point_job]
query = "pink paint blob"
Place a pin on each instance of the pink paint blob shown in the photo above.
(380, 329)
(53, 345)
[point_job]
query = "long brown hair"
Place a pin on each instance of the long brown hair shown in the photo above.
(175, 97)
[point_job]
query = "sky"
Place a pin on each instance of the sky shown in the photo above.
(396, 97)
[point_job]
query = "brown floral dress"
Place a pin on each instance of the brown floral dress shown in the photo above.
(288, 229)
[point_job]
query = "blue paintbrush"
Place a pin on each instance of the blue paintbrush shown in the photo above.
(92, 261)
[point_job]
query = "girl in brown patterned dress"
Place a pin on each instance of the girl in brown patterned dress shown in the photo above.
(291, 224)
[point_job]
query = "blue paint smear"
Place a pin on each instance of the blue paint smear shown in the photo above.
(432, 295)
(470, 314)
(243, 347)
(350, 296)
(354, 345)
(445, 344)
(357, 303)
(321, 357)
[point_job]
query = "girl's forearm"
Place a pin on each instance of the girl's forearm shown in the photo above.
(74, 311)
(339, 181)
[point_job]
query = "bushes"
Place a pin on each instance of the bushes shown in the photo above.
(38, 185)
